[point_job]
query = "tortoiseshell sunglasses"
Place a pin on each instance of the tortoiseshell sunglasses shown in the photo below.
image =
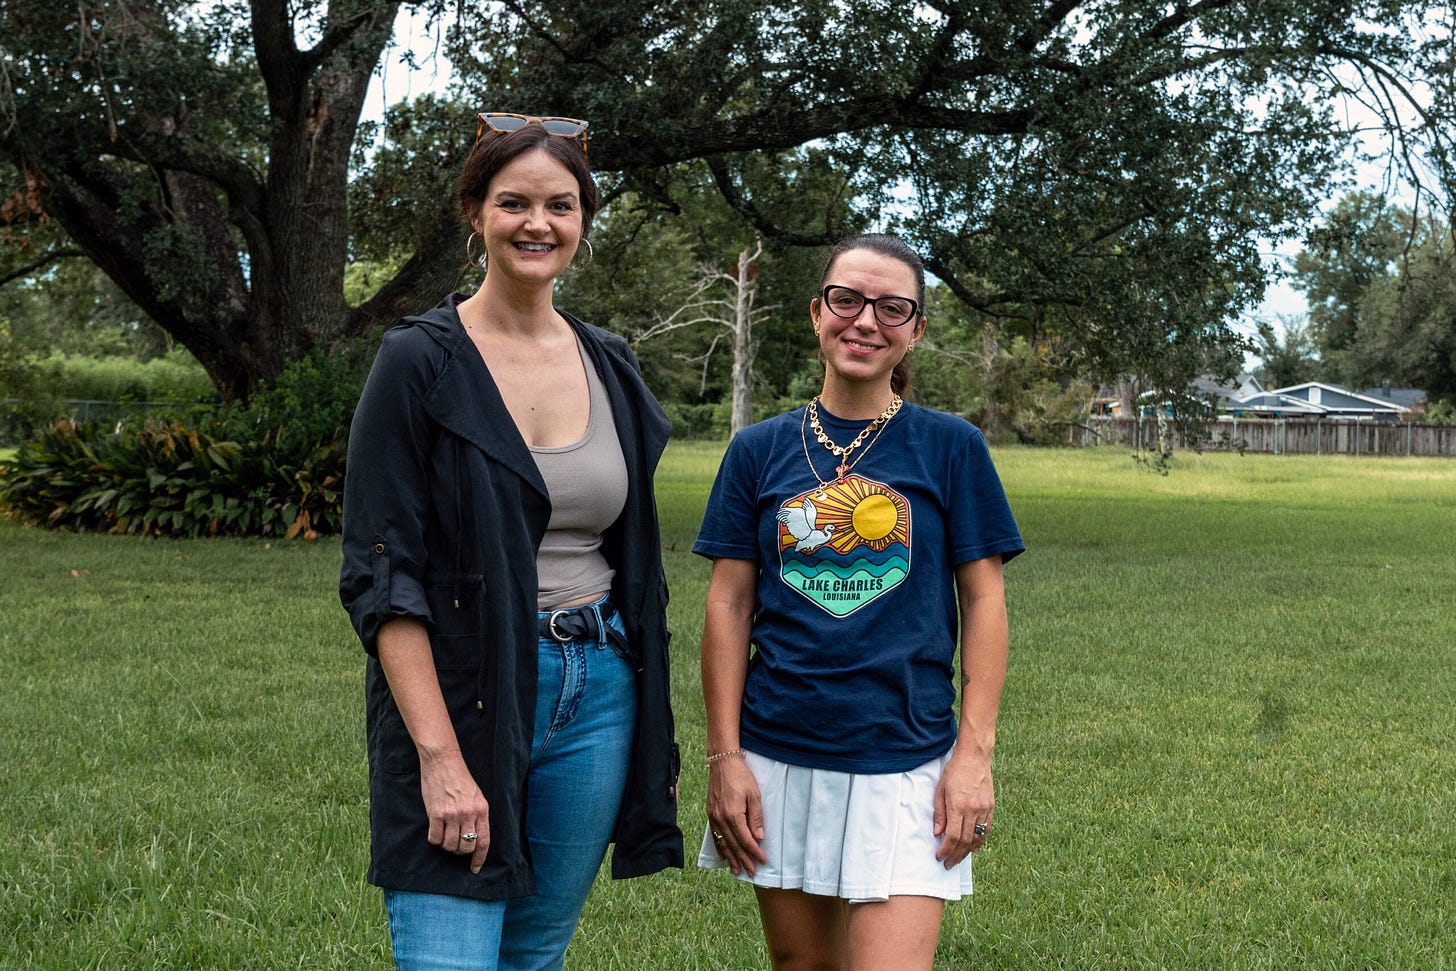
(507, 121)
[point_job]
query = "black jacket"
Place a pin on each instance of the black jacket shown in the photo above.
(444, 510)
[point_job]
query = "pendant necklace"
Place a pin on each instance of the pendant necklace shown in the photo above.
(842, 452)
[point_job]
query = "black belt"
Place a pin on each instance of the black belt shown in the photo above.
(580, 624)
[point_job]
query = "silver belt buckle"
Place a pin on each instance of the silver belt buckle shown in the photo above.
(551, 626)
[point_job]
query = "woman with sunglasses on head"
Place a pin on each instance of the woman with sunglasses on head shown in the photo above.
(854, 541)
(503, 570)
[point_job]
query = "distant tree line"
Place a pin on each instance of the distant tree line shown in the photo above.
(1380, 280)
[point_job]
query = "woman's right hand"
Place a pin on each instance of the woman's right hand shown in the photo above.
(454, 803)
(735, 815)
(456, 808)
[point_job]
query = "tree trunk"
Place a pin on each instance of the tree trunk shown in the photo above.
(745, 283)
(243, 267)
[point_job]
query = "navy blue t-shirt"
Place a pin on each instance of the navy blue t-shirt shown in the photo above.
(855, 629)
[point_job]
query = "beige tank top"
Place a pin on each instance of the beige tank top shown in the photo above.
(587, 482)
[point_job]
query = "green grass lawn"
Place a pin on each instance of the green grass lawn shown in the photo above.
(1226, 739)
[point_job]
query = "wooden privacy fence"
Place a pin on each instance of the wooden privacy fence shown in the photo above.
(1304, 436)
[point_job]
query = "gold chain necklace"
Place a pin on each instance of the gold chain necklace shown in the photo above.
(811, 420)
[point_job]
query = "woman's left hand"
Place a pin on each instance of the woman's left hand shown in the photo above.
(964, 800)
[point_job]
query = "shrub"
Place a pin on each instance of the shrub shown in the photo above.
(310, 406)
(166, 479)
(175, 377)
(272, 467)
(108, 389)
(696, 421)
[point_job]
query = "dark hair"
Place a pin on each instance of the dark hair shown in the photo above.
(896, 249)
(496, 150)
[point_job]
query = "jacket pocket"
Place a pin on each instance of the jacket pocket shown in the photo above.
(458, 628)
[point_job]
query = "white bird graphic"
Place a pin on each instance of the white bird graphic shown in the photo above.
(800, 524)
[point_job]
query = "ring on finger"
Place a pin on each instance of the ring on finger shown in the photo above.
(468, 837)
(979, 829)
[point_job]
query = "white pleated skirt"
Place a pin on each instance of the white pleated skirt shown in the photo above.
(860, 837)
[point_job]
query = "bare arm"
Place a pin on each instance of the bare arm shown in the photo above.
(453, 799)
(734, 809)
(965, 795)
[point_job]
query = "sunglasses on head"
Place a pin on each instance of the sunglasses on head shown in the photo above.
(507, 121)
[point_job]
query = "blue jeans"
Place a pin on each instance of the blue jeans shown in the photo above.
(586, 713)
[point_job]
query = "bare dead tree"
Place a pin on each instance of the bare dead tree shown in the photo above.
(723, 298)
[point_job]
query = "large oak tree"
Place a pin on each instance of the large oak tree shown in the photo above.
(1101, 169)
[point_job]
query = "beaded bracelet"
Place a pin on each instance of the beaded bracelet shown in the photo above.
(730, 754)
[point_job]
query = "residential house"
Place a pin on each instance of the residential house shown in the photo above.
(1316, 399)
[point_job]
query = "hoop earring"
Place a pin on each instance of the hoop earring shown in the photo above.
(477, 260)
(591, 254)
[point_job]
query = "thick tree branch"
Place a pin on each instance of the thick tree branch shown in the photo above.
(776, 130)
(1184, 16)
(746, 207)
(239, 180)
(339, 33)
(985, 303)
(38, 264)
(1054, 15)
(433, 269)
(89, 217)
(279, 62)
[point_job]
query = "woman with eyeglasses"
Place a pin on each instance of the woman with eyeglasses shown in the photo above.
(855, 541)
(502, 568)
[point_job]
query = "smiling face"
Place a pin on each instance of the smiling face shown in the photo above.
(531, 218)
(860, 351)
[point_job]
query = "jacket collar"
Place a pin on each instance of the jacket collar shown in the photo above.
(466, 400)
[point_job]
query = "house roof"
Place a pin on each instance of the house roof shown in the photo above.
(1224, 394)
(1334, 400)
(1409, 398)
(1268, 401)
(1243, 395)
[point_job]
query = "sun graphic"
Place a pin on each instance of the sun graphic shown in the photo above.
(862, 512)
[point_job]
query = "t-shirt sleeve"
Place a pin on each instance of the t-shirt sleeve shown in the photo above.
(981, 523)
(730, 523)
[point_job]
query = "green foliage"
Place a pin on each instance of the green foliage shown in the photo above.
(165, 479)
(694, 422)
(402, 181)
(111, 388)
(16, 375)
(173, 377)
(363, 279)
(1359, 242)
(309, 406)
(272, 468)
(1382, 291)
(999, 373)
(1288, 361)
(650, 255)
(1441, 412)
(1407, 327)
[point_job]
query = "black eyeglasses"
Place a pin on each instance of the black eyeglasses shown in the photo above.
(507, 121)
(890, 311)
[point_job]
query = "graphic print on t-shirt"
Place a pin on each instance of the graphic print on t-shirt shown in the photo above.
(844, 544)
